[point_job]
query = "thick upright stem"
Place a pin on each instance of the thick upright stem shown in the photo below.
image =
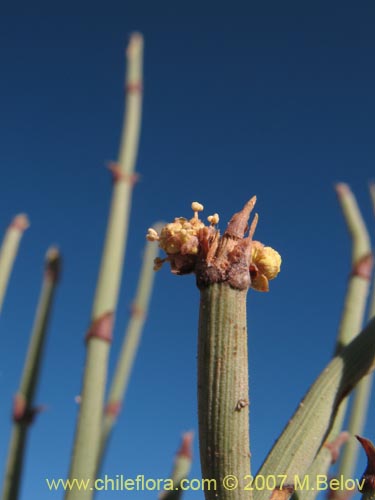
(225, 268)
(223, 404)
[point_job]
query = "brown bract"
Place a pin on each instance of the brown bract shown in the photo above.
(369, 474)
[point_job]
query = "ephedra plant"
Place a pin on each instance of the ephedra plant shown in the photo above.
(226, 266)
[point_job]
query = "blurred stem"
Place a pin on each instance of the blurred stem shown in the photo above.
(359, 281)
(130, 345)
(360, 402)
(308, 428)
(350, 324)
(89, 426)
(23, 411)
(181, 468)
(9, 250)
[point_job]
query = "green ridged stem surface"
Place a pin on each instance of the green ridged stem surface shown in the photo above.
(222, 385)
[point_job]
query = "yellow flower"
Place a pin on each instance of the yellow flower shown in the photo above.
(265, 265)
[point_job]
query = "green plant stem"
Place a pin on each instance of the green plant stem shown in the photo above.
(351, 319)
(89, 425)
(181, 468)
(24, 411)
(357, 420)
(360, 402)
(298, 445)
(361, 261)
(9, 250)
(223, 404)
(130, 345)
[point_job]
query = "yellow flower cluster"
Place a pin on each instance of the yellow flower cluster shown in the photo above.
(265, 265)
(181, 236)
(183, 239)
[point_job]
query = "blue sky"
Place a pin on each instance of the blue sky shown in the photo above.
(268, 98)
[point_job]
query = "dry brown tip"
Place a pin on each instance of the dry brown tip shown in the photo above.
(53, 263)
(238, 224)
(135, 44)
(370, 453)
(342, 189)
(20, 222)
(186, 448)
(253, 226)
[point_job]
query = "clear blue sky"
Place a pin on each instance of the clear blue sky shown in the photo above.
(268, 98)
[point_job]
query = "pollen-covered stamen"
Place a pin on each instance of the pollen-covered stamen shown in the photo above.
(196, 207)
(152, 235)
(213, 219)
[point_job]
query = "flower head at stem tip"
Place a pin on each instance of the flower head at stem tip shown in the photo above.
(190, 243)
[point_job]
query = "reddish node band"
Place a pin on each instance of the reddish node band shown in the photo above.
(134, 87)
(21, 413)
(335, 446)
(363, 268)
(101, 328)
(19, 408)
(118, 175)
(113, 408)
(137, 311)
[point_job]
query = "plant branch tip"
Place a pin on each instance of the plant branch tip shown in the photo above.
(20, 222)
(238, 224)
(369, 449)
(53, 263)
(335, 446)
(135, 45)
(186, 448)
(342, 189)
